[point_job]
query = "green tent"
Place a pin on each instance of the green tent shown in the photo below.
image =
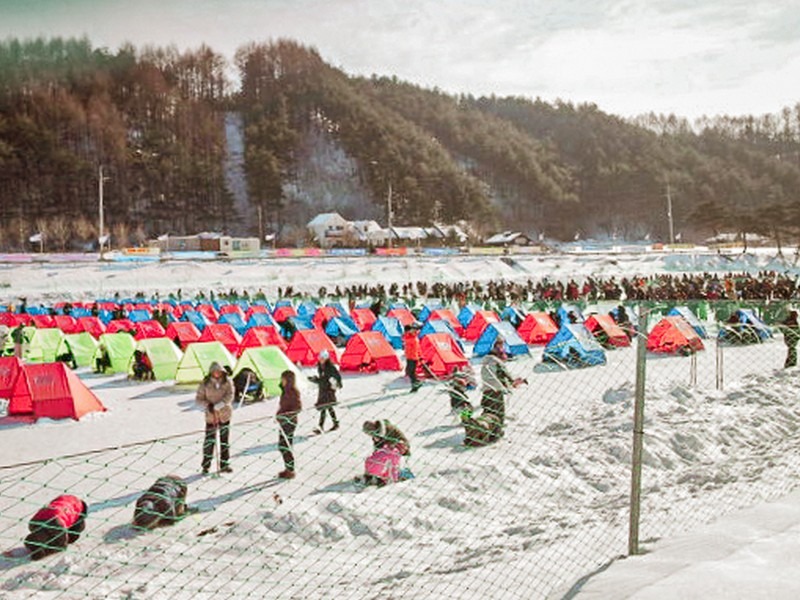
(120, 347)
(43, 346)
(9, 347)
(193, 367)
(83, 347)
(268, 362)
(164, 355)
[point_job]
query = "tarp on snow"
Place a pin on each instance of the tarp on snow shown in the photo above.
(198, 357)
(512, 342)
(57, 393)
(674, 335)
(369, 351)
(267, 362)
(537, 328)
(306, 345)
(164, 356)
(573, 347)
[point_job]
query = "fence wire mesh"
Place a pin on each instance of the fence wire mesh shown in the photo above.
(526, 517)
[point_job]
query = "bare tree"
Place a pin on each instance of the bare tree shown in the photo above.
(60, 231)
(120, 233)
(84, 229)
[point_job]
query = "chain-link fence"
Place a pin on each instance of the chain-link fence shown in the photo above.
(526, 517)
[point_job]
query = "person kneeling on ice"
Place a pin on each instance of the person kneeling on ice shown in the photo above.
(329, 380)
(482, 430)
(164, 503)
(55, 526)
(389, 445)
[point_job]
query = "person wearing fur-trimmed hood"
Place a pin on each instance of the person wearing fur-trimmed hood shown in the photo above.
(215, 396)
(329, 380)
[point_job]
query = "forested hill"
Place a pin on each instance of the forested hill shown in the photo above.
(166, 127)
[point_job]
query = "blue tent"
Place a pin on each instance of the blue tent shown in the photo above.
(513, 315)
(465, 314)
(690, 317)
(235, 320)
(341, 327)
(437, 326)
(261, 320)
(563, 314)
(79, 311)
(106, 316)
(390, 328)
(340, 307)
(296, 323)
(282, 302)
(394, 305)
(574, 346)
(744, 327)
(307, 309)
(196, 318)
(514, 346)
(139, 315)
(426, 310)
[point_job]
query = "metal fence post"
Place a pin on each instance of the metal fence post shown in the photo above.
(638, 433)
(720, 367)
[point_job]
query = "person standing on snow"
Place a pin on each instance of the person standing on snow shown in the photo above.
(215, 395)
(289, 406)
(791, 335)
(412, 351)
(497, 382)
(329, 380)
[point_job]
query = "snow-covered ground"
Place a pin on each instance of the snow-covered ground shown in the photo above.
(525, 518)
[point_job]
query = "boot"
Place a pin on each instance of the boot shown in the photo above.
(286, 474)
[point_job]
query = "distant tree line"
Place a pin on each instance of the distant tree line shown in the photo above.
(154, 119)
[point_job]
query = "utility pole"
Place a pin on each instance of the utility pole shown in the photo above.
(669, 215)
(100, 207)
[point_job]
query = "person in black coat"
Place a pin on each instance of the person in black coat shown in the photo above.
(329, 380)
(791, 335)
(164, 503)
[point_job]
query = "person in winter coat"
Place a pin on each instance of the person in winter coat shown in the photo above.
(482, 430)
(289, 406)
(55, 526)
(215, 396)
(461, 381)
(791, 335)
(412, 351)
(497, 382)
(164, 503)
(329, 380)
(389, 445)
(19, 338)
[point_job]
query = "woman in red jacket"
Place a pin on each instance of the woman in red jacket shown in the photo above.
(289, 406)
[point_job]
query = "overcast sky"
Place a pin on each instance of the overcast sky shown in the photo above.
(690, 57)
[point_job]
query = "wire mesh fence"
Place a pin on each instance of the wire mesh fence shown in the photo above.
(526, 517)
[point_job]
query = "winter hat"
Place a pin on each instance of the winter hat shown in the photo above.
(324, 355)
(215, 368)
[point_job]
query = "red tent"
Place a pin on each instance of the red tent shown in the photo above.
(57, 393)
(323, 315)
(43, 321)
(369, 351)
(306, 345)
(445, 314)
(185, 331)
(10, 319)
(149, 329)
(284, 312)
(222, 332)
(441, 353)
(231, 309)
(537, 328)
(674, 334)
(209, 312)
(405, 316)
(364, 318)
(606, 331)
(10, 371)
(256, 308)
(67, 323)
(480, 321)
(118, 325)
(261, 336)
(93, 325)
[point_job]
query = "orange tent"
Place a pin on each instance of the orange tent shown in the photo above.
(441, 354)
(185, 331)
(57, 393)
(480, 321)
(674, 334)
(369, 351)
(92, 325)
(306, 345)
(323, 315)
(405, 316)
(537, 328)
(364, 318)
(446, 314)
(606, 331)
(261, 336)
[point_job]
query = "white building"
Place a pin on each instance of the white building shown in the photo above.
(329, 229)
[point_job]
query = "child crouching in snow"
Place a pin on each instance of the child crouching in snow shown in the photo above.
(389, 446)
(55, 526)
(164, 503)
